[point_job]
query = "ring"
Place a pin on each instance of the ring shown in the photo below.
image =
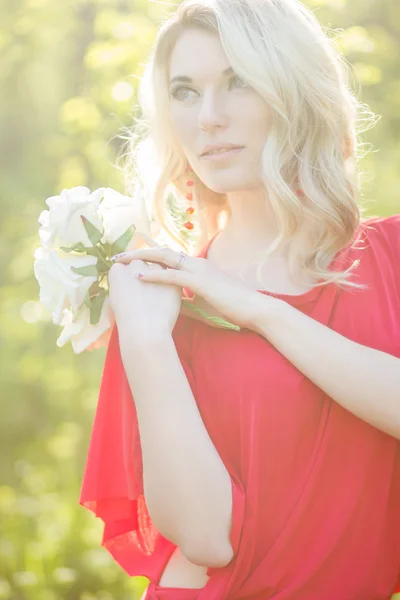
(182, 257)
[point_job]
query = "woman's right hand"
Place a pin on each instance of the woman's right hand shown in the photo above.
(149, 310)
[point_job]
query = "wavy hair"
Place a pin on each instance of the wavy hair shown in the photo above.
(280, 49)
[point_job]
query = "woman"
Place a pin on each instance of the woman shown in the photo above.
(259, 463)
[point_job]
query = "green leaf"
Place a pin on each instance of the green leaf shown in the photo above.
(88, 301)
(107, 249)
(122, 242)
(94, 288)
(97, 304)
(79, 247)
(88, 271)
(103, 266)
(94, 234)
(217, 320)
(92, 251)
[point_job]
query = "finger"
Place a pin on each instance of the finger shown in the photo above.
(142, 266)
(159, 254)
(155, 254)
(172, 276)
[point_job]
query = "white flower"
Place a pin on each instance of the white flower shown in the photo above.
(64, 292)
(62, 225)
(119, 212)
(60, 287)
(81, 333)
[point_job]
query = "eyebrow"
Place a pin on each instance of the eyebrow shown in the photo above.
(185, 79)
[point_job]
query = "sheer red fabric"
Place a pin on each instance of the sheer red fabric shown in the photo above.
(316, 491)
(156, 592)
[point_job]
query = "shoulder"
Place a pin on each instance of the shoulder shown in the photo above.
(383, 234)
(379, 252)
(384, 226)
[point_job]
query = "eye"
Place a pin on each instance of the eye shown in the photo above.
(175, 91)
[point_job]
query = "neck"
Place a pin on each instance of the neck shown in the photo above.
(251, 227)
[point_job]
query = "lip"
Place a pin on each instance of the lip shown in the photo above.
(221, 156)
(221, 146)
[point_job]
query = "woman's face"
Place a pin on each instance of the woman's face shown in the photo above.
(216, 108)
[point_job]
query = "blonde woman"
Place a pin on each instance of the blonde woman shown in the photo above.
(261, 462)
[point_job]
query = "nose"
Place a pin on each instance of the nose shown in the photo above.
(212, 112)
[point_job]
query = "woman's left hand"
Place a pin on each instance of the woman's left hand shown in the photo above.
(227, 295)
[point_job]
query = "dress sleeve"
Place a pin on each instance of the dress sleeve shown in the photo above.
(393, 232)
(112, 486)
(238, 505)
(387, 234)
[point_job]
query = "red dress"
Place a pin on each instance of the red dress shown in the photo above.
(316, 490)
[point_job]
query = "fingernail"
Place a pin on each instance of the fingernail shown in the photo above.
(118, 255)
(139, 275)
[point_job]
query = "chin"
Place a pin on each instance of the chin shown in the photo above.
(239, 185)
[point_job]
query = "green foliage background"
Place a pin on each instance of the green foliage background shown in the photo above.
(69, 74)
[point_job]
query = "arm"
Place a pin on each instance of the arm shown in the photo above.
(186, 485)
(364, 381)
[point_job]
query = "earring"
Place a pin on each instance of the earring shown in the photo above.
(189, 196)
(299, 191)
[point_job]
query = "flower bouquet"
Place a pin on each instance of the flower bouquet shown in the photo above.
(78, 234)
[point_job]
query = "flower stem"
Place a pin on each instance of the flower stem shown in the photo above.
(104, 263)
(217, 320)
(101, 251)
(102, 257)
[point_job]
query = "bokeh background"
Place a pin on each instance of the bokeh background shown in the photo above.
(69, 72)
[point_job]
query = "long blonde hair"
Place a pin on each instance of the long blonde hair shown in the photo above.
(280, 49)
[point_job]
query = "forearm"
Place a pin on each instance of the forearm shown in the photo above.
(186, 485)
(363, 380)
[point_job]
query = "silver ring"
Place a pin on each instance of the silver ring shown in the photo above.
(182, 257)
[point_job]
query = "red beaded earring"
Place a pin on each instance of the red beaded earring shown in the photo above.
(189, 225)
(299, 191)
(189, 195)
